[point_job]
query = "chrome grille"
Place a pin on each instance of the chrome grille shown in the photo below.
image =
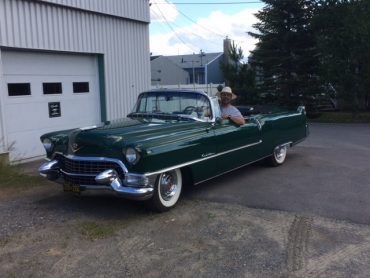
(84, 171)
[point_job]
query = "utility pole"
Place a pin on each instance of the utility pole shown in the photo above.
(192, 66)
(201, 55)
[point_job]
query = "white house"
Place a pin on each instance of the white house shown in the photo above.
(66, 64)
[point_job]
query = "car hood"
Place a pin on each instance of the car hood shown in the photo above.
(110, 138)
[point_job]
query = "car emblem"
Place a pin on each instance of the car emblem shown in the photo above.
(76, 147)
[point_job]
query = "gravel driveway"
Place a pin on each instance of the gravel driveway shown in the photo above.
(46, 233)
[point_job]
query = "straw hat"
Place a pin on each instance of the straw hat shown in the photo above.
(227, 90)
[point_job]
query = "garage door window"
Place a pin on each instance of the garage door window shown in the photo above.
(52, 88)
(19, 89)
(81, 87)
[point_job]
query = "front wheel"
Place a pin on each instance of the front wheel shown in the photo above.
(167, 190)
(278, 156)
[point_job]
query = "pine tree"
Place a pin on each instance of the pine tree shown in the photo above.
(343, 35)
(286, 51)
(240, 76)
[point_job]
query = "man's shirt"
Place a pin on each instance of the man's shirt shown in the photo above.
(230, 110)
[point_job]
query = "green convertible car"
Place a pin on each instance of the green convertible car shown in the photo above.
(170, 139)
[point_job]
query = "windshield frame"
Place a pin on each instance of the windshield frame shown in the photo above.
(210, 101)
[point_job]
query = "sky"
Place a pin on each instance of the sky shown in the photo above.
(178, 27)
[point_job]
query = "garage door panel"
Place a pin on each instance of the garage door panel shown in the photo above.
(89, 116)
(37, 94)
(25, 144)
(27, 117)
(48, 64)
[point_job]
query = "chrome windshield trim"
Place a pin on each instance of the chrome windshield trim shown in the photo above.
(213, 109)
(202, 159)
(187, 91)
(96, 159)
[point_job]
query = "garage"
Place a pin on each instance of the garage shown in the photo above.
(43, 92)
(67, 64)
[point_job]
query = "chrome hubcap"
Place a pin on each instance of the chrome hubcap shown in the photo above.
(167, 186)
(280, 154)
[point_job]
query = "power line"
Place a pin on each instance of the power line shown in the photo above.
(173, 30)
(209, 3)
(209, 30)
(188, 18)
(193, 21)
(194, 34)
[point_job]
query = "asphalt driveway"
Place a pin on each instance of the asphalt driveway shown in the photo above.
(327, 175)
(254, 222)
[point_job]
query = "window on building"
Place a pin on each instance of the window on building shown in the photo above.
(52, 88)
(81, 87)
(19, 89)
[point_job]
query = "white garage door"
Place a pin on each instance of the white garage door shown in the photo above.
(47, 92)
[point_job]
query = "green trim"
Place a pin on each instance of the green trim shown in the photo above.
(103, 103)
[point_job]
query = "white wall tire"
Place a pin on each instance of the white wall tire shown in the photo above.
(279, 155)
(167, 190)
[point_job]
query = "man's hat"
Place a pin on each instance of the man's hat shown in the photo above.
(227, 90)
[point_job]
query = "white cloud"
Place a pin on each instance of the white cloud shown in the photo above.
(208, 34)
(162, 12)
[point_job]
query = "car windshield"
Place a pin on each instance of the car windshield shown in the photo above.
(173, 105)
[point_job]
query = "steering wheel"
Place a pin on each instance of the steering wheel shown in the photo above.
(189, 109)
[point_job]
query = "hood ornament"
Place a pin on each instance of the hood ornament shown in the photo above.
(76, 147)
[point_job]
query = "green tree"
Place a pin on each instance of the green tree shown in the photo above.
(343, 36)
(286, 52)
(240, 76)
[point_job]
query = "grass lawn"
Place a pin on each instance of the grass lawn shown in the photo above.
(12, 177)
(340, 117)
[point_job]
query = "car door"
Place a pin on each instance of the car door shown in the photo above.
(236, 145)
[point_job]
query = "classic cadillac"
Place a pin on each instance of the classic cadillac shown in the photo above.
(170, 139)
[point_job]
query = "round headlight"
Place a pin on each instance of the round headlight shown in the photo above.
(48, 145)
(131, 155)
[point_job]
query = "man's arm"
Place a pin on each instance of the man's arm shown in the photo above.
(239, 120)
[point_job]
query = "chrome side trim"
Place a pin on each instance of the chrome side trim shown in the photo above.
(201, 159)
(232, 170)
(282, 145)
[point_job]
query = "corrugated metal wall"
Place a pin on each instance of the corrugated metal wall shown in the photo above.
(124, 43)
(135, 9)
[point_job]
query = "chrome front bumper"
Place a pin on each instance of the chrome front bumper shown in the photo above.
(132, 186)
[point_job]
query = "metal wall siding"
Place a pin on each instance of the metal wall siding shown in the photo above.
(133, 9)
(124, 43)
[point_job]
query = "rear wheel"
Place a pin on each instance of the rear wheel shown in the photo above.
(167, 190)
(278, 156)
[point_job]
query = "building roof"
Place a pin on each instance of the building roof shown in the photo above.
(196, 60)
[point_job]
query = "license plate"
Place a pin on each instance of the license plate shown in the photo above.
(71, 188)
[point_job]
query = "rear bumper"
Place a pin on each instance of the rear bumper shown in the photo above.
(132, 186)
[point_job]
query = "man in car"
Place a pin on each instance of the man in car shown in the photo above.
(229, 111)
